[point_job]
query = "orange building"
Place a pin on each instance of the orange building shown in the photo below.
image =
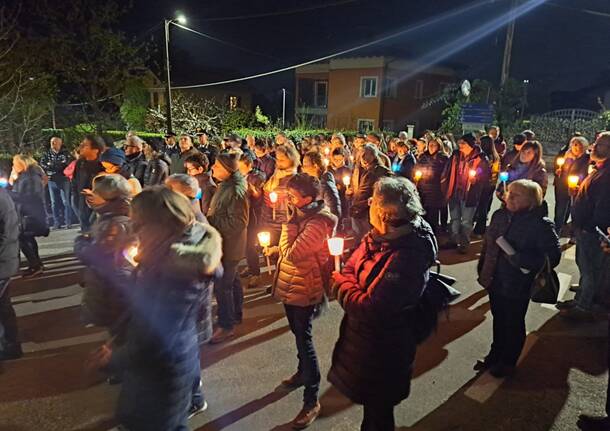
(366, 93)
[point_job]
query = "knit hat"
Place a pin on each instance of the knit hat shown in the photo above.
(112, 186)
(114, 156)
(229, 161)
(470, 139)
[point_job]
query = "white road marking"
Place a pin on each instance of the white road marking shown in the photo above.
(564, 285)
(30, 347)
(48, 294)
(485, 386)
(29, 308)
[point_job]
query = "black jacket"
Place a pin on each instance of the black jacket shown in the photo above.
(157, 170)
(429, 186)
(363, 181)
(404, 167)
(137, 165)
(533, 237)
(28, 194)
(578, 167)
(591, 206)
(330, 194)
(84, 172)
(210, 151)
(456, 182)
(9, 236)
(54, 163)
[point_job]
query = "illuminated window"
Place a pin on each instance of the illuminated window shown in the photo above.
(233, 102)
(368, 86)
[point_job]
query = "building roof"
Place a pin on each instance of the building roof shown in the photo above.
(392, 63)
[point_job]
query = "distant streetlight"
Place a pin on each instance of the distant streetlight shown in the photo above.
(180, 19)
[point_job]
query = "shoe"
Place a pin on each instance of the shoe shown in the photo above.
(500, 371)
(306, 416)
(195, 410)
(565, 305)
(576, 313)
(294, 381)
(574, 288)
(593, 423)
(32, 272)
(11, 353)
(221, 335)
(482, 365)
(244, 273)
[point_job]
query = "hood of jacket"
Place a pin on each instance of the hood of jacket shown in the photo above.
(196, 254)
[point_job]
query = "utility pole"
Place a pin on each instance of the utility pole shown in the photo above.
(283, 108)
(508, 46)
(168, 89)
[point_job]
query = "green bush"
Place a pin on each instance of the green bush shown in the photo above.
(293, 134)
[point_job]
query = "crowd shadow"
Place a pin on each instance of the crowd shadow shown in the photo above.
(532, 399)
(459, 321)
(452, 257)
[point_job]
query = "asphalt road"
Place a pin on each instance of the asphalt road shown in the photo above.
(561, 374)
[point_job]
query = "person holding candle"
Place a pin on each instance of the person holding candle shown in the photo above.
(264, 161)
(343, 177)
(381, 282)
(508, 272)
(518, 141)
(462, 181)
(299, 281)
(404, 162)
(87, 167)
(198, 166)
(275, 213)
(528, 165)
(489, 148)
(430, 167)
(229, 214)
(590, 210)
(313, 165)
(574, 161)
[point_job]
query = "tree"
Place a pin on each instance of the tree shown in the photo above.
(189, 113)
(134, 108)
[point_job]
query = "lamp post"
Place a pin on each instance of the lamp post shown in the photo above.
(168, 90)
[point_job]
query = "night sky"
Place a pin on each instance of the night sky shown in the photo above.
(558, 46)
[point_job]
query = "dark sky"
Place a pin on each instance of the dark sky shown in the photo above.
(557, 46)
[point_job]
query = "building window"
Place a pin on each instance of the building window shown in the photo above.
(233, 102)
(390, 89)
(365, 125)
(321, 94)
(419, 89)
(388, 125)
(368, 86)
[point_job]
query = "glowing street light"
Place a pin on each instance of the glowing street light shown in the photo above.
(335, 247)
(181, 19)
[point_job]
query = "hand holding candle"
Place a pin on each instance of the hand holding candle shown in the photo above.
(472, 174)
(418, 175)
(560, 162)
(573, 181)
(273, 199)
(3, 183)
(335, 247)
(264, 239)
(347, 180)
(130, 254)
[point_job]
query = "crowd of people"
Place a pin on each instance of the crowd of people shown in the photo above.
(166, 224)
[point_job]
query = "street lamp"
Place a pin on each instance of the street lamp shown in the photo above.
(180, 19)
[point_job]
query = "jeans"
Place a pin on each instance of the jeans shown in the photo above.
(508, 329)
(361, 227)
(60, 204)
(229, 296)
(462, 218)
(8, 320)
(590, 260)
(86, 216)
(29, 248)
(300, 320)
(562, 211)
(378, 418)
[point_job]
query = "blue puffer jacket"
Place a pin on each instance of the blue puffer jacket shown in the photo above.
(161, 357)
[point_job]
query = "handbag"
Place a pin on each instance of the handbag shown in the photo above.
(545, 288)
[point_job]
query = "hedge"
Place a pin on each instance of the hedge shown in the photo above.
(294, 134)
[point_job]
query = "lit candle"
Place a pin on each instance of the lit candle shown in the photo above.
(573, 181)
(346, 180)
(130, 254)
(418, 175)
(327, 151)
(326, 162)
(335, 247)
(560, 162)
(472, 174)
(3, 182)
(591, 169)
(273, 199)
(264, 239)
(504, 177)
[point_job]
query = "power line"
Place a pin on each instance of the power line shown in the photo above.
(278, 13)
(346, 51)
(225, 42)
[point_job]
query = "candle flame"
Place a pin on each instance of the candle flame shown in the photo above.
(264, 239)
(273, 197)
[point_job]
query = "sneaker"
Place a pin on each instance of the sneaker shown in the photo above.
(32, 272)
(593, 423)
(294, 381)
(221, 335)
(306, 416)
(482, 365)
(195, 410)
(565, 305)
(574, 288)
(500, 371)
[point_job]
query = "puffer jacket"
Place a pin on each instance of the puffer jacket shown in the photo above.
(107, 270)
(303, 254)
(28, 194)
(429, 186)
(157, 170)
(380, 284)
(229, 214)
(160, 357)
(533, 237)
(330, 193)
(54, 163)
(363, 181)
